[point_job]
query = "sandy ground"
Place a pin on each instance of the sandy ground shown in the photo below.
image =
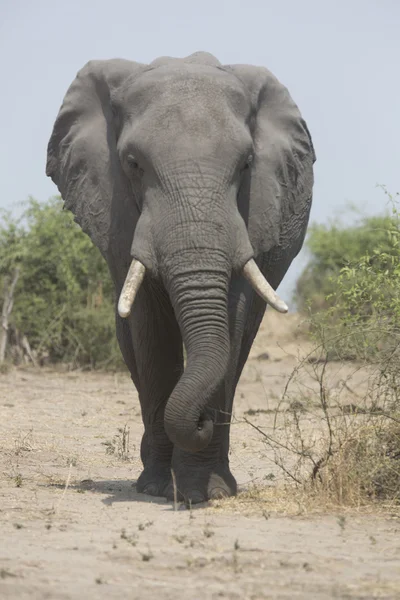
(73, 526)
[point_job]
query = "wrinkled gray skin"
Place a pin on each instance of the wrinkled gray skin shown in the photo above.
(192, 168)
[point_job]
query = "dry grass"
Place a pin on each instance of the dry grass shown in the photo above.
(336, 448)
(295, 501)
(366, 466)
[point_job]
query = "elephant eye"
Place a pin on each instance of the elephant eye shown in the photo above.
(132, 162)
(134, 166)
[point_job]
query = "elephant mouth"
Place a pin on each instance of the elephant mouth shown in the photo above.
(250, 271)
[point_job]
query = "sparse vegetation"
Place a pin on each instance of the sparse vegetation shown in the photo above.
(146, 556)
(18, 480)
(207, 531)
(348, 452)
(145, 525)
(131, 539)
(119, 444)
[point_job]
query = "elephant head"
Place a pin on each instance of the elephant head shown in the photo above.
(195, 170)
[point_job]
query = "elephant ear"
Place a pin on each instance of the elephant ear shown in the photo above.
(82, 157)
(281, 180)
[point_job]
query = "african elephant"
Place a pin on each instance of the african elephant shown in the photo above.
(195, 181)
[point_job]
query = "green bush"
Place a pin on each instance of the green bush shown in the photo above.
(64, 300)
(362, 313)
(335, 247)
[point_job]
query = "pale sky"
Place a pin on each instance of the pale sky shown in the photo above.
(340, 60)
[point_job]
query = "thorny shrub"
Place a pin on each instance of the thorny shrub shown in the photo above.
(333, 440)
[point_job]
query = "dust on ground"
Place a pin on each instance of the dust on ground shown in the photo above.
(73, 526)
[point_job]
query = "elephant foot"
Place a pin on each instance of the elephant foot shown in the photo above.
(154, 481)
(202, 485)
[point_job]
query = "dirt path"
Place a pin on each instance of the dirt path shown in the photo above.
(98, 538)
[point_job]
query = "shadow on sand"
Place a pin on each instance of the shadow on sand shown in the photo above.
(117, 490)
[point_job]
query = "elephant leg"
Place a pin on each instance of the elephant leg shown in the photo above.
(206, 474)
(152, 348)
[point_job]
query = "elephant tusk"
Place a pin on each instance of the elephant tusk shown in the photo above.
(131, 287)
(262, 287)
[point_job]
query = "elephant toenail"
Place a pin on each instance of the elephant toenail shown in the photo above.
(218, 493)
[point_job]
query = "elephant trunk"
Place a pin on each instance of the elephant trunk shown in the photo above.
(199, 298)
(198, 238)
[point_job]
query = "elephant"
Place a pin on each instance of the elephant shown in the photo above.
(194, 179)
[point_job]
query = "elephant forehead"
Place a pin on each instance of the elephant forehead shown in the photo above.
(187, 86)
